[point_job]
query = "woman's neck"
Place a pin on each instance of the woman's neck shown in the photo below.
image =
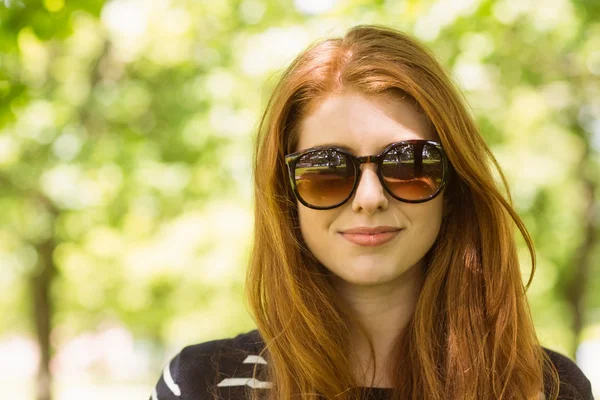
(384, 311)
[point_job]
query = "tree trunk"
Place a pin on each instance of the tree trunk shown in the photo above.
(40, 284)
(576, 286)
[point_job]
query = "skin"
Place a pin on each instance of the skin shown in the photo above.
(381, 283)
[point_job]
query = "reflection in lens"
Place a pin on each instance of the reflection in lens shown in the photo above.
(413, 171)
(324, 178)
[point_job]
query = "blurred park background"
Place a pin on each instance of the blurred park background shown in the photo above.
(126, 133)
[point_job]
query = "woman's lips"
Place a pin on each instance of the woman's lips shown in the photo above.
(376, 239)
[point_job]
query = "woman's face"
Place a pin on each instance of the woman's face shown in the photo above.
(366, 125)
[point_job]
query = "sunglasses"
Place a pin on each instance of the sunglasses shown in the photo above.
(325, 177)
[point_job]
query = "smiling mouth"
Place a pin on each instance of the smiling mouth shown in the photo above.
(370, 239)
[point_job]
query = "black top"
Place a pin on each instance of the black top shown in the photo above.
(225, 366)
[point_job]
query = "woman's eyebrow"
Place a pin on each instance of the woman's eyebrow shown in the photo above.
(342, 146)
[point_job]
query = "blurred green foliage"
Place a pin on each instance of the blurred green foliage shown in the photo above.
(126, 132)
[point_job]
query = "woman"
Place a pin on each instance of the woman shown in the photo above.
(390, 276)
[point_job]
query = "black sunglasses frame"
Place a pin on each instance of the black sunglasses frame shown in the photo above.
(291, 159)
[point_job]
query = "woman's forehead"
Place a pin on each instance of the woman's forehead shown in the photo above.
(362, 123)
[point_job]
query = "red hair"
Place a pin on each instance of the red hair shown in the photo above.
(471, 335)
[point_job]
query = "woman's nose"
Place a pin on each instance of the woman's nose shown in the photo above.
(370, 195)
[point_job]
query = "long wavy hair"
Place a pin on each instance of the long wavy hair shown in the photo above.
(471, 335)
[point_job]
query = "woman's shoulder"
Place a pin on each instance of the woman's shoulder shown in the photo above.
(223, 368)
(573, 383)
(220, 368)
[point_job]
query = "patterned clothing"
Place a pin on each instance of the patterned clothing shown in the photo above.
(224, 367)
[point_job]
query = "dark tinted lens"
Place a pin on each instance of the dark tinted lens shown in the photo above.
(324, 178)
(413, 171)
